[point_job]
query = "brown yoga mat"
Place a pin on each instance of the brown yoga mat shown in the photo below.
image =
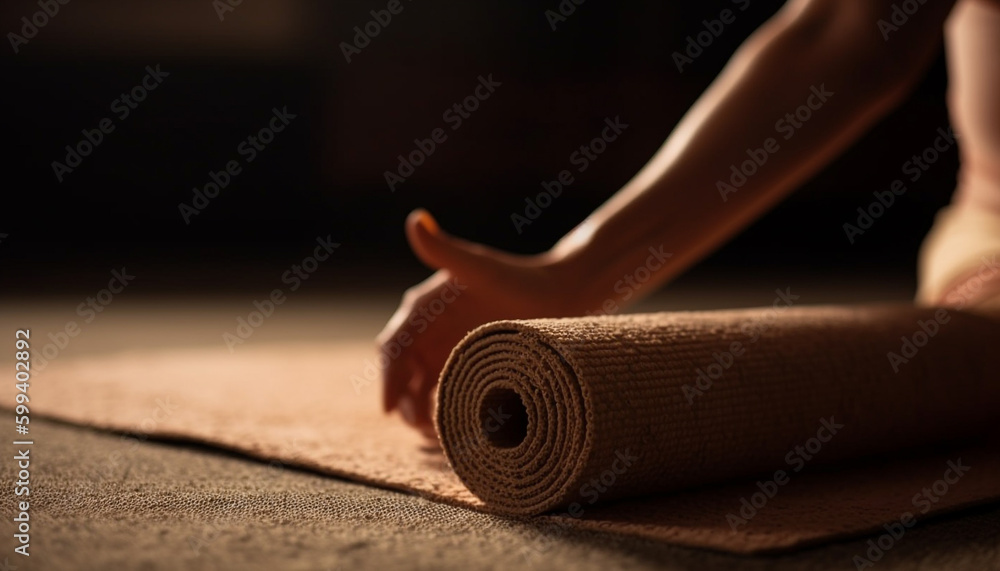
(619, 397)
(605, 415)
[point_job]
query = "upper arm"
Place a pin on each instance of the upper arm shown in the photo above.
(888, 40)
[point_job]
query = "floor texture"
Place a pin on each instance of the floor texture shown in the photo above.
(108, 503)
(104, 502)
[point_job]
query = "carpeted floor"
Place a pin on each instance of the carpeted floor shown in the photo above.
(108, 503)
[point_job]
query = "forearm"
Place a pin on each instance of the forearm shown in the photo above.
(696, 193)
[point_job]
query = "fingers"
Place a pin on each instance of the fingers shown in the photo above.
(405, 373)
(396, 372)
(440, 250)
(392, 342)
(406, 409)
(396, 324)
(395, 378)
(422, 394)
(430, 434)
(414, 396)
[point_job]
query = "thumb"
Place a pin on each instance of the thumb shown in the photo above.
(442, 251)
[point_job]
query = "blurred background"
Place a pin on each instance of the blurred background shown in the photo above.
(231, 64)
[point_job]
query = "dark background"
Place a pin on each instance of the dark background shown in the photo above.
(324, 174)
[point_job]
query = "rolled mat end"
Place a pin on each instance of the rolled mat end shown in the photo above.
(512, 418)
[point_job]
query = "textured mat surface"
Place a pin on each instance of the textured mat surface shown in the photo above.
(532, 413)
(298, 405)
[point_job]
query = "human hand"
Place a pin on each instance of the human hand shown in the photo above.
(474, 285)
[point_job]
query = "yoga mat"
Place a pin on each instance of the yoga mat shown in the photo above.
(580, 392)
(317, 407)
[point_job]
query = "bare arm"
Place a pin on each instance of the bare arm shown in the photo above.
(826, 56)
(829, 60)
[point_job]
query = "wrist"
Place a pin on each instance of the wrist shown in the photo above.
(568, 271)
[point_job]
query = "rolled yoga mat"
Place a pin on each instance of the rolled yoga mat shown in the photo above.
(603, 399)
(538, 415)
